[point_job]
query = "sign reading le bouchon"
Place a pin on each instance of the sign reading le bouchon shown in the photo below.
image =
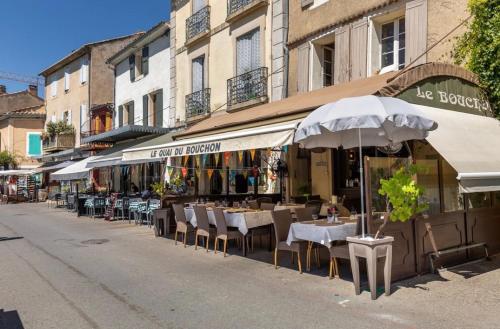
(213, 147)
(448, 93)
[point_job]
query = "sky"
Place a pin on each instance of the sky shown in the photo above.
(35, 34)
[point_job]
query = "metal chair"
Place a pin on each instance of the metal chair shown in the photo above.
(153, 204)
(98, 206)
(282, 219)
(133, 208)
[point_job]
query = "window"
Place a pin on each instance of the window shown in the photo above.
(452, 199)
(197, 5)
(393, 46)
(34, 144)
(328, 65)
(66, 80)
(152, 111)
(53, 88)
(84, 70)
(197, 73)
(248, 52)
(479, 200)
(84, 120)
(66, 117)
(129, 114)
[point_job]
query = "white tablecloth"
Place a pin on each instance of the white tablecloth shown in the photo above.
(324, 235)
(242, 220)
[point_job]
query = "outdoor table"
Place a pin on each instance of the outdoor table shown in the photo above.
(320, 232)
(244, 220)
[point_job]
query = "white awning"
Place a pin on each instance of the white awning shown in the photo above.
(470, 143)
(18, 172)
(77, 170)
(268, 136)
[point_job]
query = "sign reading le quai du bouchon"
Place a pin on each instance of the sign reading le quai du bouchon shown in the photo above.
(448, 93)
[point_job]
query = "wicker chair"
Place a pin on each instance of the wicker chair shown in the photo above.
(203, 226)
(253, 204)
(267, 206)
(304, 214)
(223, 232)
(340, 249)
(182, 225)
(264, 199)
(282, 219)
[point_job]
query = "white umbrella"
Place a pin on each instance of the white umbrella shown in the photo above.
(363, 121)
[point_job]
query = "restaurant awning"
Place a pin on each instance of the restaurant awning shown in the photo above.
(77, 170)
(14, 172)
(470, 145)
(268, 136)
(50, 167)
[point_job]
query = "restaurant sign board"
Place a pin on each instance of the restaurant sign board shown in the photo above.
(450, 93)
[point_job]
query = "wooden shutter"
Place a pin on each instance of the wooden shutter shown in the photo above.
(341, 66)
(131, 63)
(159, 109)
(303, 68)
(131, 117)
(359, 47)
(416, 31)
(145, 61)
(120, 116)
(304, 3)
(145, 103)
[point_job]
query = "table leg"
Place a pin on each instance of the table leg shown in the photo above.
(354, 269)
(387, 270)
(371, 264)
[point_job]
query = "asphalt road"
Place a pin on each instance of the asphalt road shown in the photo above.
(54, 277)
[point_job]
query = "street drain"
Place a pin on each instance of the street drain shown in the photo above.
(95, 241)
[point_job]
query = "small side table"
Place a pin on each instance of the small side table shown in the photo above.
(161, 221)
(371, 250)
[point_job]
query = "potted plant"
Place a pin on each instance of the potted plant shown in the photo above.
(159, 189)
(402, 195)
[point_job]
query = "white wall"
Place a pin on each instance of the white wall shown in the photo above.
(157, 78)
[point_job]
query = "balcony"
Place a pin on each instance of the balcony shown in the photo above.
(240, 8)
(198, 26)
(198, 104)
(58, 143)
(247, 89)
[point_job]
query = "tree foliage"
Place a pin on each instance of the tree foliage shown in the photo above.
(479, 47)
(402, 194)
(7, 159)
(60, 127)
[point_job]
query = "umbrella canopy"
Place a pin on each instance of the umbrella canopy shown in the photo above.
(363, 121)
(382, 120)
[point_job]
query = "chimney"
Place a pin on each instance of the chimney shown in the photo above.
(3, 89)
(33, 90)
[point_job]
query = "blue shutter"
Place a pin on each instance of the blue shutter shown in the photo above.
(34, 144)
(131, 63)
(145, 61)
(145, 100)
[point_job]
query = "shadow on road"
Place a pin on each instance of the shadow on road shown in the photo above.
(10, 320)
(6, 238)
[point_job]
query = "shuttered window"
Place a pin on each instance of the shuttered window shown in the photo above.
(130, 114)
(145, 111)
(145, 61)
(248, 52)
(393, 45)
(342, 50)
(84, 121)
(359, 49)
(84, 70)
(66, 80)
(131, 63)
(120, 116)
(198, 69)
(328, 66)
(53, 87)
(34, 144)
(303, 68)
(158, 106)
(415, 28)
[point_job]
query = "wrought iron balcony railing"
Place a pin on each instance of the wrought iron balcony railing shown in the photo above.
(248, 86)
(234, 6)
(198, 23)
(198, 103)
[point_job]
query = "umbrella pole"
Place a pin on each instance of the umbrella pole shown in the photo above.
(362, 185)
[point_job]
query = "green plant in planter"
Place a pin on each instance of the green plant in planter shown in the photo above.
(159, 188)
(402, 196)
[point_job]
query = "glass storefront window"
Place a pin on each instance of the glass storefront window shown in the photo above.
(452, 199)
(382, 168)
(496, 199)
(428, 178)
(479, 200)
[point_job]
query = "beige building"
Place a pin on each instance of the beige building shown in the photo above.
(77, 84)
(226, 56)
(22, 119)
(333, 42)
